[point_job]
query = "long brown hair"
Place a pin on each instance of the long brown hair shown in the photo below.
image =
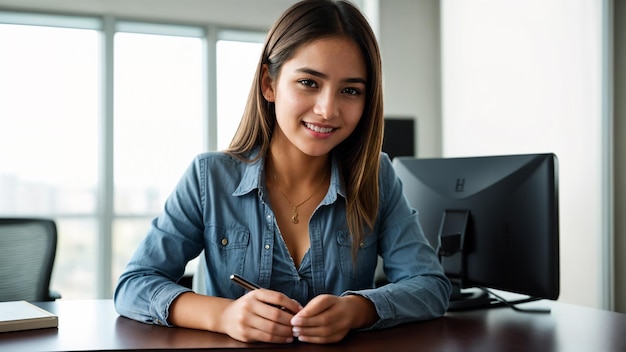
(359, 154)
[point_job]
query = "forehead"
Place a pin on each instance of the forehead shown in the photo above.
(334, 55)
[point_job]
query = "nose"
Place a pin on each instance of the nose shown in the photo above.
(326, 105)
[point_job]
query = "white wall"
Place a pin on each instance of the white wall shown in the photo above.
(526, 77)
(409, 41)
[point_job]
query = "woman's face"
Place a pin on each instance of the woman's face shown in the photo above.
(319, 95)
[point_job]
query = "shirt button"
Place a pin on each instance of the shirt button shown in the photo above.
(361, 245)
(224, 241)
(267, 246)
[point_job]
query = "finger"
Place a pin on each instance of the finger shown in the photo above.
(319, 334)
(317, 306)
(262, 329)
(278, 300)
(253, 320)
(292, 306)
(323, 324)
(256, 326)
(274, 314)
(322, 328)
(322, 340)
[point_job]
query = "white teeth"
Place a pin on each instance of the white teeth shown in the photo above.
(318, 129)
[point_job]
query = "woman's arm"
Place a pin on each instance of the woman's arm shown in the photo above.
(148, 285)
(418, 288)
(253, 317)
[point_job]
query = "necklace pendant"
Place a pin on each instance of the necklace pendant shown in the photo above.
(294, 216)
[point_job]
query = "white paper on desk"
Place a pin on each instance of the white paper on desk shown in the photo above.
(21, 315)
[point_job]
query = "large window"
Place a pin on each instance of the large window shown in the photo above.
(158, 120)
(49, 91)
(237, 61)
(100, 163)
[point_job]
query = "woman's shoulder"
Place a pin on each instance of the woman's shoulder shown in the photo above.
(222, 157)
(387, 178)
(225, 161)
(386, 169)
(215, 157)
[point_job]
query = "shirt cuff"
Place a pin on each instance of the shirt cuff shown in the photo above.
(162, 300)
(384, 308)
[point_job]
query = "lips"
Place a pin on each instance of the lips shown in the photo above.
(318, 129)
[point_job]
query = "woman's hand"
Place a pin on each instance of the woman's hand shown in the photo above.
(328, 318)
(258, 316)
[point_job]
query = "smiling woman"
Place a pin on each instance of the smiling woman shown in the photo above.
(303, 203)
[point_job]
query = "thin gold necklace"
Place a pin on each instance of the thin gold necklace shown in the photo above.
(294, 208)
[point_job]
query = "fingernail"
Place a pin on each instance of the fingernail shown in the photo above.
(295, 331)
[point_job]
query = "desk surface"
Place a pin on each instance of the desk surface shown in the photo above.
(94, 325)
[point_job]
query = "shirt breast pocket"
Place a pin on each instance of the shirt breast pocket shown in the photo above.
(226, 248)
(367, 258)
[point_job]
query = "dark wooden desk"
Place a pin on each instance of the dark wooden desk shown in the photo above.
(94, 325)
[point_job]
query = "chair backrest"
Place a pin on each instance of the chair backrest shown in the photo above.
(27, 251)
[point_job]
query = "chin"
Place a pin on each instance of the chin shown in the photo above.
(316, 151)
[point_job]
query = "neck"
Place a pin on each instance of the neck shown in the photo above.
(296, 170)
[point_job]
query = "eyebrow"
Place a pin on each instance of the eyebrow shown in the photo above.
(324, 76)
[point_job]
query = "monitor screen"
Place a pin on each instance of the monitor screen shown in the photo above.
(494, 221)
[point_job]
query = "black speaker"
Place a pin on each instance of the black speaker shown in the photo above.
(399, 137)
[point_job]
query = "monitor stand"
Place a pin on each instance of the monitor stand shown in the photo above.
(452, 231)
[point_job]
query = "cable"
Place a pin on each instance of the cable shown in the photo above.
(513, 305)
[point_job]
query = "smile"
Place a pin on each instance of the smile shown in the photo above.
(318, 129)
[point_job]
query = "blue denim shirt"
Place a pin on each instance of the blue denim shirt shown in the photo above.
(221, 206)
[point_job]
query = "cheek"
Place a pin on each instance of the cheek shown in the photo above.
(289, 105)
(286, 113)
(353, 116)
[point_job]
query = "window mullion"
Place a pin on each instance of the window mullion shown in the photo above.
(106, 158)
(210, 118)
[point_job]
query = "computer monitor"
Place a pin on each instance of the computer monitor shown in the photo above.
(493, 220)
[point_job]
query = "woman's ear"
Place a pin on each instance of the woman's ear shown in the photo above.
(267, 84)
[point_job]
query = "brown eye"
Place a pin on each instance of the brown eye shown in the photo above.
(352, 91)
(308, 83)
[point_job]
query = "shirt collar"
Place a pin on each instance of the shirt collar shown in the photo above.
(253, 178)
(252, 175)
(337, 187)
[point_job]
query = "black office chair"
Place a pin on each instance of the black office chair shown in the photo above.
(27, 251)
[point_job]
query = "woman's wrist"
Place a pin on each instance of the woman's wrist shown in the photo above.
(192, 310)
(364, 309)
